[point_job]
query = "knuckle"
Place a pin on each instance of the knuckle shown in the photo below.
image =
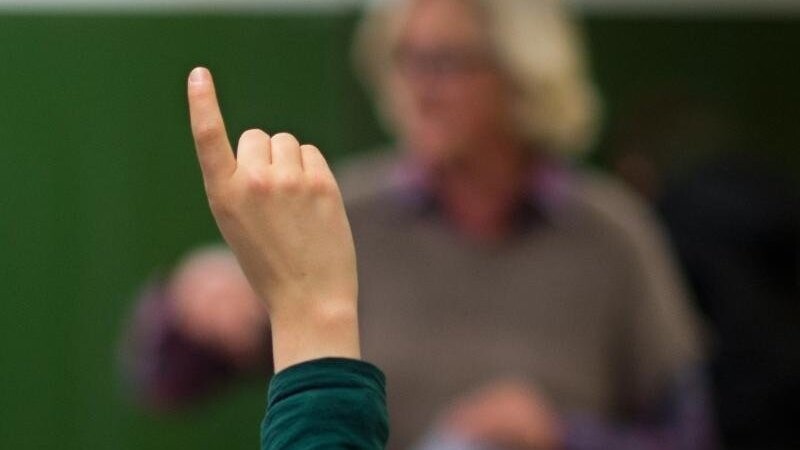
(312, 153)
(207, 132)
(319, 184)
(286, 139)
(253, 133)
(259, 182)
(197, 94)
(289, 182)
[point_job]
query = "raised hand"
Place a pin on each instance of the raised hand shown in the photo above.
(279, 208)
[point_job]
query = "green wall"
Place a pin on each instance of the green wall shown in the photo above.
(100, 188)
(743, 70)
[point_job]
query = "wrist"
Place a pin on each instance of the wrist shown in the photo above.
(329, 330)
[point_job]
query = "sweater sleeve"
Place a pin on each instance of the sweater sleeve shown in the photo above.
(683, 420)
(330, 403)
(165, 369)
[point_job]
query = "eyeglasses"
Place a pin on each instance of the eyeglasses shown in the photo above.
(441, 62)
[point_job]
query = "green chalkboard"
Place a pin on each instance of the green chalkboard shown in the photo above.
(101, 189)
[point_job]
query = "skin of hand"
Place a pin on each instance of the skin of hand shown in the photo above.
(279, 208)
(507, 413)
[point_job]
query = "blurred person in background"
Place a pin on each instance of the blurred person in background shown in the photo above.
(512, 300)
(184, 342)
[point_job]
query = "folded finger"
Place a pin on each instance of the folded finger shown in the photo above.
(286, 152)
(313, 161)
(254, 149)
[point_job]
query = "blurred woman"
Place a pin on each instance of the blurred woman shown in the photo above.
(512, 300)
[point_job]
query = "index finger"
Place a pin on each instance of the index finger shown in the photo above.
(211, 140)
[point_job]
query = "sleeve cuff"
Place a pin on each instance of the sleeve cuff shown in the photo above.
(328, 373)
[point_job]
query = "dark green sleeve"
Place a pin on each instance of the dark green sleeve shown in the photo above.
(330, 403)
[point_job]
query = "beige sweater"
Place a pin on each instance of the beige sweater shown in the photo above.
(586, 304)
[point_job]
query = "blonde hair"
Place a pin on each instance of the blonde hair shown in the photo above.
(537, 46)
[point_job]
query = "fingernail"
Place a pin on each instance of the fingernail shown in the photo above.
(198, 75)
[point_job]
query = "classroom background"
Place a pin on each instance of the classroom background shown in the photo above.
(101, 190)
